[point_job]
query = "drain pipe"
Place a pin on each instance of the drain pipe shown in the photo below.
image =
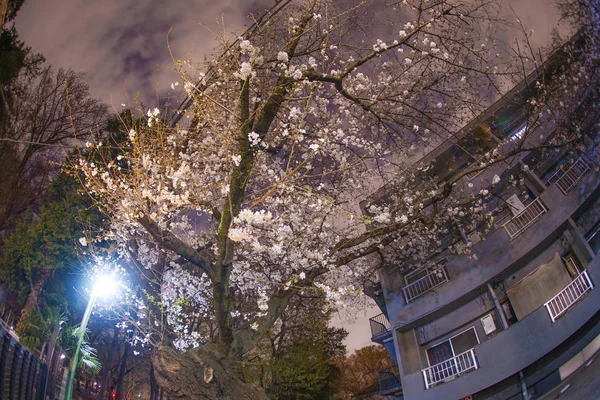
(498, 307)
(524, 391)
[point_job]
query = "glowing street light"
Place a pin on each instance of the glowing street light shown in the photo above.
(104, 285)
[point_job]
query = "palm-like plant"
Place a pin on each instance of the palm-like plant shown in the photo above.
(88, 356)
(39, 326)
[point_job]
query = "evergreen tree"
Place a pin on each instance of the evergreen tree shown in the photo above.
(45, 244)
(304, 351)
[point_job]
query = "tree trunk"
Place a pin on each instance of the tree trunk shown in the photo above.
(40, 280)
(106, 366)
(122, 370)
(200, 374)
(154, 390)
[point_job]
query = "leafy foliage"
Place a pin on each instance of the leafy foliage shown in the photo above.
(12, 8)
(88, 360)
(302, 372)
(304, 350)
(358, 371)
(47, 240)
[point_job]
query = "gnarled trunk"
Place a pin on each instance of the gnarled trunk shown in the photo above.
(36, 290)
(200, 374)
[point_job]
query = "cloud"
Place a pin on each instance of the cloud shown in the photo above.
(121, 45)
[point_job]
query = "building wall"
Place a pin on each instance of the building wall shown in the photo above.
(496, 256)
(513, 349)
(463, 300)
(497, 266)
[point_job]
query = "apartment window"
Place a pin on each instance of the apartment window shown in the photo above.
(518, 134)
(452, 347)
(415, 275)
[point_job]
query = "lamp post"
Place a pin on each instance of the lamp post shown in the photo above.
(103, 286)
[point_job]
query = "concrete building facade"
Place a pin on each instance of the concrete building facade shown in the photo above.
(507, 310)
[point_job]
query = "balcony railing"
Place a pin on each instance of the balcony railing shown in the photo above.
(379, 325)
(425, 284)
(389, 380)
(561, 303)
(523, 220)
(450, 369)
(570, 177)
(474, 174)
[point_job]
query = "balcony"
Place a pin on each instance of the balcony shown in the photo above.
(450, 369)
(389, 380)
(425, 284)
(560, 304)
(566, 180)
(523, 220)
(379, 324)
(513, 349)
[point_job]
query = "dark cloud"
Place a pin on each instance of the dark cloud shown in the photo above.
(121, 45)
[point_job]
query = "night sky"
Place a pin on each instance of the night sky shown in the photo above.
(121, 45)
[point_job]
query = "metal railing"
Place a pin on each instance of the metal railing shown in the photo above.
(560, 303)
(571, 176)
(551, 180)
(523, 220)
(389, 379)
(450, 368)
(425, 284)
(22, 374)
(472, 175)
(379, 325)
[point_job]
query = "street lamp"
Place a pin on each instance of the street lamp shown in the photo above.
(104, 285)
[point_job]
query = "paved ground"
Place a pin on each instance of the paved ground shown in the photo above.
(584, 384)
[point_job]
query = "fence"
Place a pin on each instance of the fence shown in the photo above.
(389, 379)
(22, 375)
(570, 177)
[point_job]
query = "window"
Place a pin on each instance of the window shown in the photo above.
(440, 353)
(415, 275)
(518, 135)
(452, 347)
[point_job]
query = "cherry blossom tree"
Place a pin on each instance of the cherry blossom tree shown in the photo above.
(252, 198)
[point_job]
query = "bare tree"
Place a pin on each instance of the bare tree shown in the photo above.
(42, 116)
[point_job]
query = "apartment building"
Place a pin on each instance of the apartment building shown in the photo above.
(507, 308)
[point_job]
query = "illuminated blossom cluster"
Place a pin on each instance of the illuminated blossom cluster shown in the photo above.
(256, 193)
